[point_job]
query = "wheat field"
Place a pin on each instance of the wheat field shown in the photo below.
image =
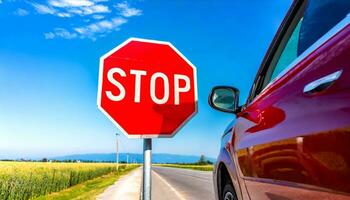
(27, 180)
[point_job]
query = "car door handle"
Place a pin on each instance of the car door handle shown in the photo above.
(322, 83)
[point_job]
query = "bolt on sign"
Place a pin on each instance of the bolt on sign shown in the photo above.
(147, 88)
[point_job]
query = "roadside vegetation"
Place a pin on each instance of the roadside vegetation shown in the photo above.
(202, 164)
(27, 180)
(89, 190)
(189, 166)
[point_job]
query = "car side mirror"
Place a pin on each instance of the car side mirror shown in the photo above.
(224, 98)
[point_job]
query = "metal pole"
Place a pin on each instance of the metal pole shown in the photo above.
(147, 168)
(117, 154)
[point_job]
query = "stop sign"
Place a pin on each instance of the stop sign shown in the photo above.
(147, 88)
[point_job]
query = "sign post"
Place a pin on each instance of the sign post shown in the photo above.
(147, 169)
(148, 89)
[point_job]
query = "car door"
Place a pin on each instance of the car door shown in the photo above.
(293, 135)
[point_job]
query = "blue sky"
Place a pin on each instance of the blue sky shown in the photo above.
(49, 58)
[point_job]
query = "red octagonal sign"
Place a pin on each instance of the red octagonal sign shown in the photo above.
(147, 88)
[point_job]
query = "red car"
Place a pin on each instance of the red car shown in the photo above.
(291, 139)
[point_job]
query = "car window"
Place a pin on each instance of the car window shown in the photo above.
(314, 19)
(289, 53)
(319, 18)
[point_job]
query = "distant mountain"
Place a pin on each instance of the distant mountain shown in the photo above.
(132, 158)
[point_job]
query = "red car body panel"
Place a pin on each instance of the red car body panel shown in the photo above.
(288, 144)
(287, 135)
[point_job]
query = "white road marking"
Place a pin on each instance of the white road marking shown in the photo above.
(171, 187)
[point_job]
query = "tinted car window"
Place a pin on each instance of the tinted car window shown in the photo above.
(289, 53)
(319, 18)
(316, 19)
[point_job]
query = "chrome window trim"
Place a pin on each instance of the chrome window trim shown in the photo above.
(338, 27)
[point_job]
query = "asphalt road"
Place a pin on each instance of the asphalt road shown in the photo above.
(181, 184)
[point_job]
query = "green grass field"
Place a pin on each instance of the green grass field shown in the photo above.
(27, 180)
(195, 167)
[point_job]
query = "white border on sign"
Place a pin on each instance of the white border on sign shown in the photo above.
(99, 90)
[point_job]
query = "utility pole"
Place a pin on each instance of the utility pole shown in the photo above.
(117, 153)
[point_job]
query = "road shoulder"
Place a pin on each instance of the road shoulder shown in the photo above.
(126, 188)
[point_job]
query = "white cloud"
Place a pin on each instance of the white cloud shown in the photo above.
(98, 17)
(64, 14)
(95, 18)
(128, 11)
(69, 8)
(94, 9)
(43, 9)
(60, 33)
(21, 12)
(100, 28)
(70, 3)
(77, 11)
(49, 35)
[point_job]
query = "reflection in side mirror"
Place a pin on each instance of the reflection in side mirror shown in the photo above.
(224, 98)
